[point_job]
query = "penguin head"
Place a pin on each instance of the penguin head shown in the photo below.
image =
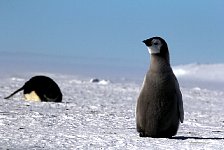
(156, 45)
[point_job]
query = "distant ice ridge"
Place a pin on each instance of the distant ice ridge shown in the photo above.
(203, 72)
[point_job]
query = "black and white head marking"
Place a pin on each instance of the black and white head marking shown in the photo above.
(155, 46)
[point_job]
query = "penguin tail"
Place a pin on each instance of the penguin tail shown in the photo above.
(14, 93)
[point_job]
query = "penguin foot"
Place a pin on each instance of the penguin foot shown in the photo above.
(142, 134)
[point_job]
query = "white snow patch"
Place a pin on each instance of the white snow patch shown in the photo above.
(180, 72)
(104, 82)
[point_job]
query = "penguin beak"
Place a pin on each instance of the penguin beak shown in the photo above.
(147, 43)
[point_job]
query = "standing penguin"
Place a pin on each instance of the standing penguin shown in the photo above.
(159, 106)
(40, 88)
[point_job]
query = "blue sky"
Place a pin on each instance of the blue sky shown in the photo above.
(111, 32)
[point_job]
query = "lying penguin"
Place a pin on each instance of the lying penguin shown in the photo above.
(40, 88)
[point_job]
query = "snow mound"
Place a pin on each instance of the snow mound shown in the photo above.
(206, 72)
(102, 82)
(210, 76)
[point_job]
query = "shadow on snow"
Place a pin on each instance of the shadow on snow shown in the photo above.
(195, 138)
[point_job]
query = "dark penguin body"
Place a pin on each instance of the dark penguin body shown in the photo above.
(159, 106)
(40, 88)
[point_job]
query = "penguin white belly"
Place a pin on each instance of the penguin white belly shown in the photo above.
(32, 96)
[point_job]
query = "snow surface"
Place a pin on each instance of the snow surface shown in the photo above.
(102, 116)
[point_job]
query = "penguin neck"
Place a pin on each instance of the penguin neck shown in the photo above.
(160, 64)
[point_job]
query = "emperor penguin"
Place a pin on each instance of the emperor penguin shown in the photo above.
(159, 106)
(40, 88)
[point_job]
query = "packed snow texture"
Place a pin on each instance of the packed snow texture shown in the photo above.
(102, 116)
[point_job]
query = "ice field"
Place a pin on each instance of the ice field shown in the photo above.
(102, 115)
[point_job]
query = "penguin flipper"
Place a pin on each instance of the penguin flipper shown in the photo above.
(179, 102)
(20, 89)
(180, 107)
